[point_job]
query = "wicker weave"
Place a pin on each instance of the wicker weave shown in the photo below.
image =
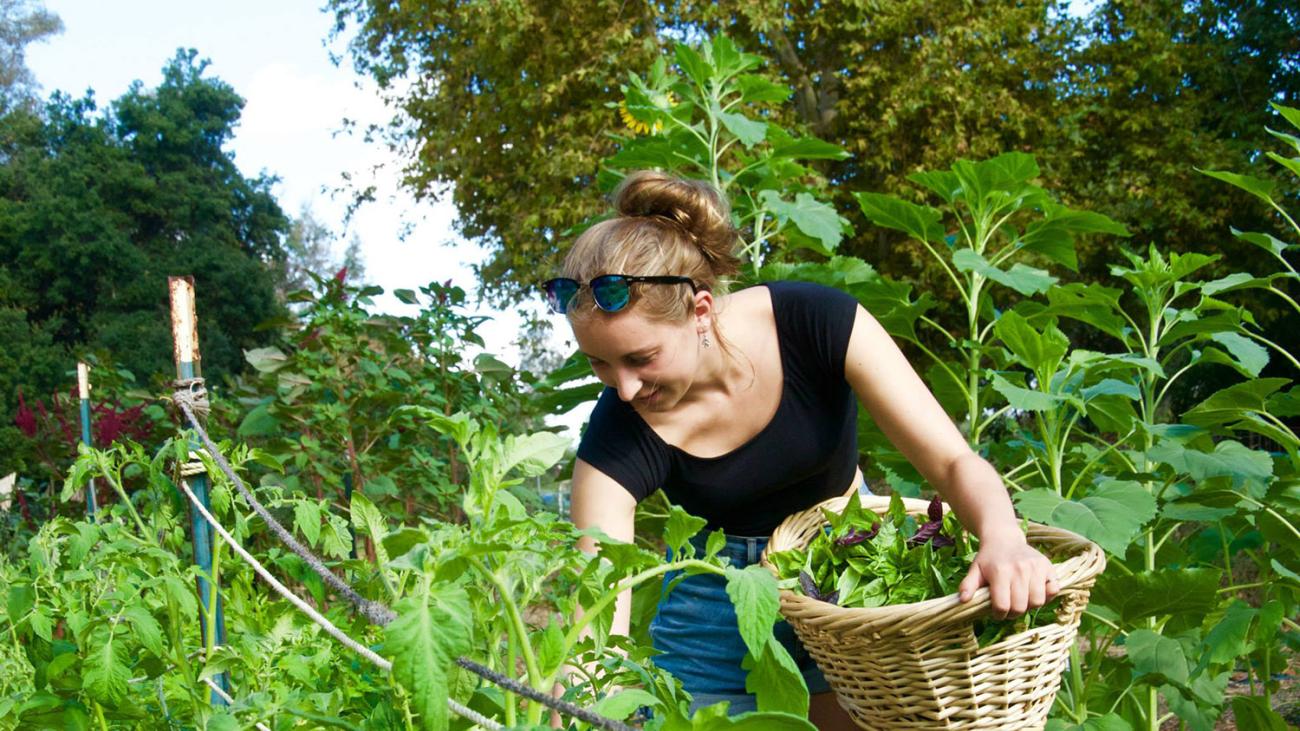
(918, 666)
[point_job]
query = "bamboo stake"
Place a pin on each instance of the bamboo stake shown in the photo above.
(185, 342)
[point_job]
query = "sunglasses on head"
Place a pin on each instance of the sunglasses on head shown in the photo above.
(612, 292)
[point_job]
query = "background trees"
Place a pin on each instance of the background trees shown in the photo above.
(512, 105)
(98, 208)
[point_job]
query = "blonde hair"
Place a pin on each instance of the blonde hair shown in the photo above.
(665, 226)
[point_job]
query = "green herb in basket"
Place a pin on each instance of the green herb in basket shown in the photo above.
(867, 560)
(863, 559)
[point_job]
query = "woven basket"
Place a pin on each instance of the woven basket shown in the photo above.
(918, 666)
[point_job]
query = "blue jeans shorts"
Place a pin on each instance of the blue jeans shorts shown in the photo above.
(696, 632)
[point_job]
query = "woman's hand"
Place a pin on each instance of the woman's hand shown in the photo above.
(1018, 576)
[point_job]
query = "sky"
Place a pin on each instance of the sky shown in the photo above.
(276, 54)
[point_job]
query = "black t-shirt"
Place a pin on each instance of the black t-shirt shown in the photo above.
(807, 453)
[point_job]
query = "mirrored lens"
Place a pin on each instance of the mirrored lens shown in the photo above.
(559, 292)
(611, 292)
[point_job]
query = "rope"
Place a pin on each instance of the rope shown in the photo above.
(191, 400)
(226, 697)
(581, 714)
(283, 590)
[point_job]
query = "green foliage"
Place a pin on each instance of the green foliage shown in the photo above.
(324, 404)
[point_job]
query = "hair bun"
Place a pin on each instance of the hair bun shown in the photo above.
(693, 205)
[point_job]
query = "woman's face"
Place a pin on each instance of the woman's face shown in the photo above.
(650, 363)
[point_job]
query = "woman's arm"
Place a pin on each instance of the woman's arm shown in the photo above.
(1019, 577)
(599, 501)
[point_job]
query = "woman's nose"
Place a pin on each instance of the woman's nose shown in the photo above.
(628, 385)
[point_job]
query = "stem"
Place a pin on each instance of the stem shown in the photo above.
(121, 493)
(213, 597)
(99, 715)
(1080, 711)
(520, 630)
(575, 632)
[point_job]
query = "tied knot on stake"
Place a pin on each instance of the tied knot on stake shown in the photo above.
(190, 398)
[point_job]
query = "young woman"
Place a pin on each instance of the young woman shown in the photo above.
(742, 408)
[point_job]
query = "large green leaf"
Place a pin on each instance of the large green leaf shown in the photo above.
(1022, 398)
(816, 219)
(1249, 354)
(1234, 402)
(1108, 722)
(1092, 304)
(624, 703)
(775, 680)
(1111, 514)
(921, 222)
(1258, 187)
(1229, 459)
(146, 629)
(1026, 280)
(367, 519)
(1158, 593)
(533, 454)
(1254, 714)
(750, 132)
(1041, 352)
(679, 528)
(1154, 654)
(431, 630)
(1226, 641)
(1267, 242)
(753, 592)
(105, 669)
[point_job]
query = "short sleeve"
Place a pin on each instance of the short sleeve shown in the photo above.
(620, 444)
(817, 321)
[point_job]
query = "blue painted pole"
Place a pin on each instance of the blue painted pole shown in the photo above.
(83, 392)
(186, 348)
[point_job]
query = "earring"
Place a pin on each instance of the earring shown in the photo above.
(705, 342)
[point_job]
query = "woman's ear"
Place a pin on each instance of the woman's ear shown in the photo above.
(703, 311)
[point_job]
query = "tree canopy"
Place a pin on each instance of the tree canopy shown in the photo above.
(512, 105)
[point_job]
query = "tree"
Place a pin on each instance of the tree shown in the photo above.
(98, 209)
(309, 249)
(510, 104)
(21, 24)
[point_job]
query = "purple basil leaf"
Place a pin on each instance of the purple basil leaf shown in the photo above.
(935, 511)
(940, 540)
(855, 536)
(808, 585)
(833, 598)
(925, 533)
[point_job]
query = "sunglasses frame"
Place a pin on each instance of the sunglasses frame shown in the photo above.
(628, 280)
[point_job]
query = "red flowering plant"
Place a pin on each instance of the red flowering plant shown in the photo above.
(53, 428)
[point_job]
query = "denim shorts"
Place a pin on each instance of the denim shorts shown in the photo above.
(696, 632)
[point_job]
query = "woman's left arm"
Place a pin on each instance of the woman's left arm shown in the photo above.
(1018, 576)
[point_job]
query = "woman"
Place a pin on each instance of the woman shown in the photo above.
(742, 407)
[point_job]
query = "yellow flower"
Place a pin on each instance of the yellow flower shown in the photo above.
(634, 124)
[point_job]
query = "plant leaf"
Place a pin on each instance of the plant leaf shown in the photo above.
(1254, 714)
(1154, 654)
(1111, 514)
(750, 132)
(753, 592)
(431, 630)
(921, 222)
(775, 680)
(104, 669)
(1249, 354)
(1258, 187)
(1159, 593)
(1026, 280)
